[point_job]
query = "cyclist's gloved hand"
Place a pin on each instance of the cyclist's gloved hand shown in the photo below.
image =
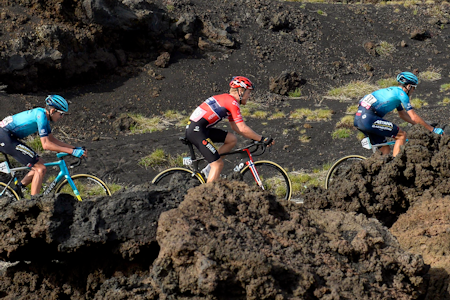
(78, 152)
(438, 130)
(266, 140)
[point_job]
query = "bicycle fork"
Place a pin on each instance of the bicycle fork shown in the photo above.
(252, 168)
(64, 173)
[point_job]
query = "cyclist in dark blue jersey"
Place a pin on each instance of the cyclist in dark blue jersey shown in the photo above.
(16, 127)
(373, 107)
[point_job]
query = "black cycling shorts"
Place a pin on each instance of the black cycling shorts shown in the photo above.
(204, 138)
(10, 145)
(374, 126)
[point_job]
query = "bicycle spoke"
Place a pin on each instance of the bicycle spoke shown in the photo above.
(273, 177)
(7, 194)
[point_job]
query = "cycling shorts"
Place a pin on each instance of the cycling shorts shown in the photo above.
(374, 126)
(204, 138)
(10, 145)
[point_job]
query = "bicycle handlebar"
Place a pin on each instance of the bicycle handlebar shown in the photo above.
(257, 146)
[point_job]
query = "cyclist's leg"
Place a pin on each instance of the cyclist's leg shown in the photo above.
(229, 140)
(228, 144)
(216, 169)
(20, 152)
(400, 140)
(376, 128)
(38, 177)
(202, 138)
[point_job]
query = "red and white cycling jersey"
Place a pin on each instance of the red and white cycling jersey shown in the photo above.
(216, 108)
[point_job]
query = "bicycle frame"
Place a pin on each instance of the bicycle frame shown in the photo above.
(195, 161)
(63, 174)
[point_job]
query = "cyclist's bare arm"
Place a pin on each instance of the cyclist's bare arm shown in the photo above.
(417, 119)
(51, 143)
(245, 131)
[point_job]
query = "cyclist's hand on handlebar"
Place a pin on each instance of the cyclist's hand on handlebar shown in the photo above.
(268, 141)
(79, 152)
(438, 130)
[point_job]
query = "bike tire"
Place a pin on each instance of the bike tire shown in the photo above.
(178, 176)
(274, 178)
(8, 194)
(87, 185)
(340, 167)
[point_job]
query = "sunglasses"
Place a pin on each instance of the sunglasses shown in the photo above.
(414, 86)
(61, 112)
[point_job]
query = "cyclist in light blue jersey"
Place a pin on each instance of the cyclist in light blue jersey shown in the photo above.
(373, 107)
(16, 127)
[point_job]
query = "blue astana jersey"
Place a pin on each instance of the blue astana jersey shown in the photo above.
(386, 100)
(28, 122)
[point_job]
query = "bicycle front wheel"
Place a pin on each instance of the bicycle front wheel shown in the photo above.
(340, 167)
(87, 185)
(274, 178)
(178, 176)
(7, 193)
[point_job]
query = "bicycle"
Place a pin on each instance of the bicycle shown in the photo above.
(345, 163)
(267, 174)
(79, 185)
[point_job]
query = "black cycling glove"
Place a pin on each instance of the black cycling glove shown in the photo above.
(266, 140)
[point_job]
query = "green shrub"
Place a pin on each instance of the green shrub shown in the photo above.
(387, 82)
(445, 101)
(360, 135)
(355, 89)
(304, 138)
(352, 109)
(341, 133)
(431, 75)
(311, 115)
(157, 158)
(144, 124)
(445, 87)
(385, 48)
(346, 122)
(277, 115)
(260, 114)
(418, 103)
(296, 93)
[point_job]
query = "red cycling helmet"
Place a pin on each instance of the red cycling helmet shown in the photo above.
(241, 81)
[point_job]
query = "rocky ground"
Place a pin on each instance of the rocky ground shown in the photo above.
(147, 57)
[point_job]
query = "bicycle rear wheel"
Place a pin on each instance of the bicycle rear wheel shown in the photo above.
(274, 178)
(340, 167)
(7, 193)
(174, 177)
(87, 185)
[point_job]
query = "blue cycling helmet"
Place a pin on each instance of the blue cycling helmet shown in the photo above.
(405, 78)
(57, 102)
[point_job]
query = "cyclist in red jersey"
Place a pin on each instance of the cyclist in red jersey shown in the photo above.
(200, 132)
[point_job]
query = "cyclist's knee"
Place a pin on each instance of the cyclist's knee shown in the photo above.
(40, 169)
(231, 139)
(401, 135)
(218, 164)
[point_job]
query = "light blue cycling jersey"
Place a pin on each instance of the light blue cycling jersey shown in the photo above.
(386, 100)
(27, 122)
